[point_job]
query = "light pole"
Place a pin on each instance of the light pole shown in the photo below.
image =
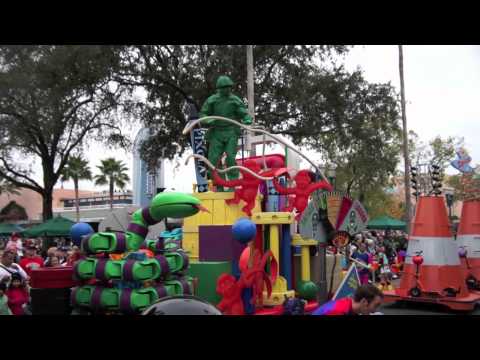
(408, 200)
(322, 285)
(449, 199)
(250, 95)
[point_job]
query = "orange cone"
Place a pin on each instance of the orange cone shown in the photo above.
(441, 278)
(468, 236)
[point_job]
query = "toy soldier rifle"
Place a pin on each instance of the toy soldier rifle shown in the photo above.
(197, 140)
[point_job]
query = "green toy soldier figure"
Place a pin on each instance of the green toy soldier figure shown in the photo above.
(222, 136)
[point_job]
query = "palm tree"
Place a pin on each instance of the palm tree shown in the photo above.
(113, 173)
(76, 169)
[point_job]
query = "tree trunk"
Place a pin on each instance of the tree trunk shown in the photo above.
(111, 194)
(48, 184)
(47, 211)
(77, 204)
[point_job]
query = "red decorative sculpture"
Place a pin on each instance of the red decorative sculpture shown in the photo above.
(254, 277)
(247, 187)
(300, 193)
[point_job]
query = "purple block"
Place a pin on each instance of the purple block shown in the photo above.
(216, 243)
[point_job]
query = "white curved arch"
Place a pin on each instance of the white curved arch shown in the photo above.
(190, 126)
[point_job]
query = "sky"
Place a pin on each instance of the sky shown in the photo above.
(442, 91)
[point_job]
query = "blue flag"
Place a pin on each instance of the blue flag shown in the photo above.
(349, 284)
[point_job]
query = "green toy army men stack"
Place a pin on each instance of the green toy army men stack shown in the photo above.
(222, 136)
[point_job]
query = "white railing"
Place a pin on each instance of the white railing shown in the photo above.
(91, 207)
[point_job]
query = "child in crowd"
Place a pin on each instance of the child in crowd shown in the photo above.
(385, 273)
(362, 256)
(50, 253)
(4, 309)
(17, 295)
(54, 262)
(15, 245)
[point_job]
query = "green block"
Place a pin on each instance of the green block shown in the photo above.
(110, 298)
(83, 295)
(207, 273)
(142, 298)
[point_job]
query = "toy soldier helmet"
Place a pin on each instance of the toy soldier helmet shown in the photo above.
(181, 305)
(224, 81)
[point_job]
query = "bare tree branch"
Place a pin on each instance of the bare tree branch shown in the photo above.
(17, 174)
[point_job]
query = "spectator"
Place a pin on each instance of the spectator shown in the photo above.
(362, 256)
(371, 247)
(31, 260)
(17, 294)
(61, 254)
(365, 301)
(50, 253)
(53, 262)
(4, 309)
(75, 256)
(8, 267)
(15, 244)
(384, 268)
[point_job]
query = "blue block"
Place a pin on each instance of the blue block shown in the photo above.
(286, 255)
(246, 297)
(235, 269)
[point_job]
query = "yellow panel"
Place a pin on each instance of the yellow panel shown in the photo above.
(275, 241)
(190, 228)
(191, 221)
(234, 212)
(279, 291)
(273, 218)
(210, 195)
(206, 218)
(219, 212)
(190, 245)
(258, 204)
(297, 240)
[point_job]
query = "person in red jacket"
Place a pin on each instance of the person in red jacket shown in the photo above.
(365, 301)
(31, 260)
(17, 295)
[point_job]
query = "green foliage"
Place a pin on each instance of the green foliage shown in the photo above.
(290, 87)
(76, 169)
(455, 182)
(300, 91)
(51, 98)
(439, 151)
(112, 173)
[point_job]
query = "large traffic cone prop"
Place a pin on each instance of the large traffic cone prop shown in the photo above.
(431, 234)
(441, 279)
(468, 236)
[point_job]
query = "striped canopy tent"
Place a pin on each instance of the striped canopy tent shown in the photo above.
(58, 226)
(8, 229)
(386, 223)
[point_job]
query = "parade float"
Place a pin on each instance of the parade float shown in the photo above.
(251, 233)
(437, 268)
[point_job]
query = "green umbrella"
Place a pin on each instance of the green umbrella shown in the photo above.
(58, 226)
(8, 229)
(386, 223)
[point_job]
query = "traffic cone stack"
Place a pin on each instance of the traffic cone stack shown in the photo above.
(440, 275)
(468, 238)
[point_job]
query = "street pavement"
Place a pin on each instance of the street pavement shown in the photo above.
(412, 308)
(409, 308)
